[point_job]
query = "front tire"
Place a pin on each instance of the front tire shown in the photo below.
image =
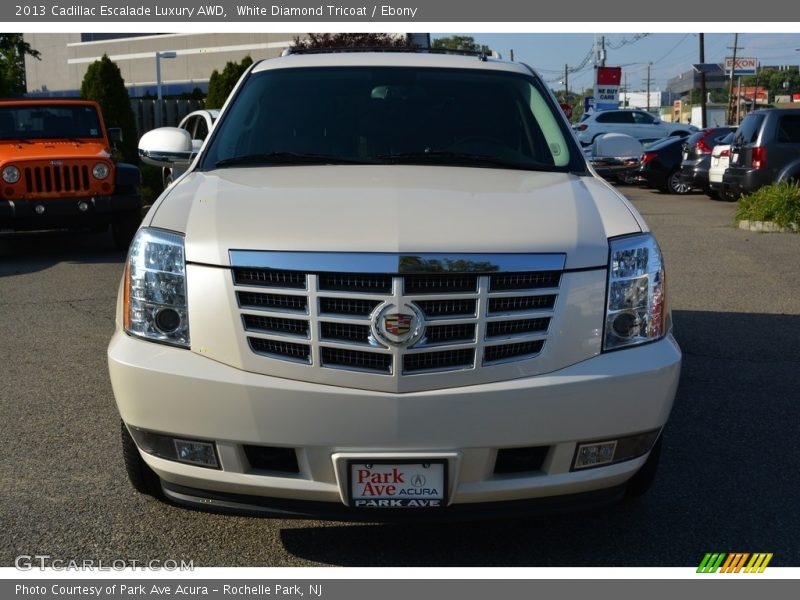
(142, 478)
(644, 477)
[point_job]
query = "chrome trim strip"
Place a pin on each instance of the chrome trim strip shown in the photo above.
(391, 263)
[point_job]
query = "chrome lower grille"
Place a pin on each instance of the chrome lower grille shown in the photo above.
(328, 320)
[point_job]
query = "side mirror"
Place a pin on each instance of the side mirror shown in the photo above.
(657, 122)
(167, 147)
(114, 135)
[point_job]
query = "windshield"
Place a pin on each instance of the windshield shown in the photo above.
(379, 115)
(49, 121)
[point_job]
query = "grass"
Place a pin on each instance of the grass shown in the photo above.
(778, 203)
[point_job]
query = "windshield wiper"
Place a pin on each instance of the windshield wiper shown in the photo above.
(288, 158)
(462, 158)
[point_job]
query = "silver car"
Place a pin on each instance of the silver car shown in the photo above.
(635, 123)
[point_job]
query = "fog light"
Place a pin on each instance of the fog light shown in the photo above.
(594, 455)
(606, 452)
(196, 453)
(193, 452)
(83, 206)
(39, 209)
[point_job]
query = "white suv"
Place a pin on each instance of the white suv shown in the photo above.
(635, 123)
(388, 286)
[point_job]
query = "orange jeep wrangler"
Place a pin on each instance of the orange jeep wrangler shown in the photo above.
(57, 171)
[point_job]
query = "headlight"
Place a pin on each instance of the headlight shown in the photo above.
(636, 310)
(11, 174)
(155, 288)
(100, 171)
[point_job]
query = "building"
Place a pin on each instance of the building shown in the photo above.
(66, 56)
(683, 84)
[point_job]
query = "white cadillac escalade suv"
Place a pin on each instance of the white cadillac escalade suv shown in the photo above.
(388, 284)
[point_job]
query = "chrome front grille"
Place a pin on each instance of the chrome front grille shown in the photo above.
(326, 320)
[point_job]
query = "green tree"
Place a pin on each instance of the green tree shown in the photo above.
(104, 84)
(465, 43)
(220, 85)
(13, 49)
(350, 40)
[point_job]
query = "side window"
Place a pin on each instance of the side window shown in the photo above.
(789, 129)
(190, 125)
(615, 117)
(642, 118)
(201, 131)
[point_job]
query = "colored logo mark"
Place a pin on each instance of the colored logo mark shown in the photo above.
(734, 562)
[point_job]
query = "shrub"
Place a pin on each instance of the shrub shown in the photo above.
(779, 203)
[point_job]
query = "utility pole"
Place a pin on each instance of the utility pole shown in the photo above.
(601, 52)
(647, 82)
(511, 55)
(625, 91)
(703, 99)
(566, 82)
(733, 69)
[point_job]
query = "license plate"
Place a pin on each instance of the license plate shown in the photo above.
(735, 157)
(393, 484)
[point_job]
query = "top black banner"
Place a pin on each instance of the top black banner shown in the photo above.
(381, 11)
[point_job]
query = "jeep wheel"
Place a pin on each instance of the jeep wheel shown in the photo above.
(142, 478)
(676, 186)
(124, 228)
(644, 477)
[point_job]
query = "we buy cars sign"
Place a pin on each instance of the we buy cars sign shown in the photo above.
(606, 87)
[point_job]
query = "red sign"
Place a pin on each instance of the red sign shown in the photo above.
(567, 110)
(761, 94)
(795, 97)
(609, 75)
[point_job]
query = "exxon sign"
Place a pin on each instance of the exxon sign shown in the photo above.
(744, 66)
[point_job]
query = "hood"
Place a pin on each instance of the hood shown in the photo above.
(396, 209)
(52, 149)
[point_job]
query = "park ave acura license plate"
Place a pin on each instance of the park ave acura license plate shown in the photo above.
(393, 484)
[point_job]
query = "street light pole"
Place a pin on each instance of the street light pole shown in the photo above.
(159, 56)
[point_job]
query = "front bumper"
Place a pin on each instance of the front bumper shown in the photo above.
(177, 392)
(21, 215)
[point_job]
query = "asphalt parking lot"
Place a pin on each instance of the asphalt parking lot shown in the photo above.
(729, 476)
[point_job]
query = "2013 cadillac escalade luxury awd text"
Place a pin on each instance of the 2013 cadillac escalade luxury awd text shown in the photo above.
(388, 285)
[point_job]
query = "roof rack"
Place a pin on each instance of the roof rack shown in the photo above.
(479, 54)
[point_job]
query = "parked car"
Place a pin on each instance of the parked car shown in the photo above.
(615, 156)
(58, 172)
(635, 123)
(199, 124)
(720, 158)
(697, 156)
(390, 283)
(661, 165)
(765, 150)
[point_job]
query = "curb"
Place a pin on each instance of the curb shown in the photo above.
(767, 227)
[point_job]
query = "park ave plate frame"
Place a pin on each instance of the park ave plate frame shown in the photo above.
(384, 475)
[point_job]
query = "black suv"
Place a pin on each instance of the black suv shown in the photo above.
(765, 150)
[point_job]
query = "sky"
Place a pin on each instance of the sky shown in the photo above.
(670, 53)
